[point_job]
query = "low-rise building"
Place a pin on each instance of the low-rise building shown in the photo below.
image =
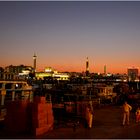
(105, 91)
(49, 72)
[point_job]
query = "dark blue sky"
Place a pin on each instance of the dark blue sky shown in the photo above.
(63, 34)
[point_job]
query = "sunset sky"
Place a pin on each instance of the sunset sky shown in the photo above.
(63, 34)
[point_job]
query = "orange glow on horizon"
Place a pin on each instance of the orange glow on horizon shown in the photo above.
(95, 70)
(78, 65)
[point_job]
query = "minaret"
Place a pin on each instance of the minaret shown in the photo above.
(87, 67)
(34, 62)
(105, 69)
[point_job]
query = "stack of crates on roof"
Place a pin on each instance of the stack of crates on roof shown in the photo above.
(33, 117)
(16, 117)
(42, 116)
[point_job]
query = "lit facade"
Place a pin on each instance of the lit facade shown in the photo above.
(49, 72)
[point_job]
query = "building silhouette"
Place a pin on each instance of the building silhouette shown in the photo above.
(132, 74)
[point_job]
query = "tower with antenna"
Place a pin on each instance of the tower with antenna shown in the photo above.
(34, 62)
(87, 67)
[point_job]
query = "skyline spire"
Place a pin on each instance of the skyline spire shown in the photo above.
(105, 69)
(34, 62)
(87, 67)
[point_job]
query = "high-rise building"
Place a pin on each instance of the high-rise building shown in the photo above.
(34, 62)
(132, 74)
